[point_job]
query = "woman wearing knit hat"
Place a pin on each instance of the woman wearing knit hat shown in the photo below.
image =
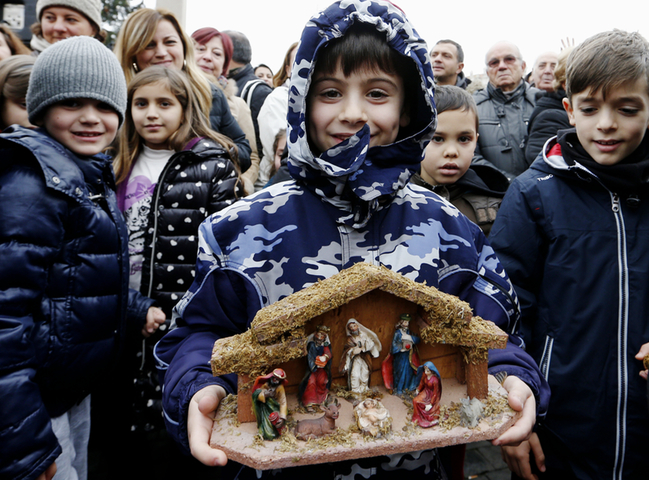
(65, 305)
(155, 37)
(213, 51)
(59, 19)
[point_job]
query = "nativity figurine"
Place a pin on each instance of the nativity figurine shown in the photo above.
(269, 403)
(319, 427)
(356, 362)
(315, 385)
(426, 404)
(372, 417)
(399, 369)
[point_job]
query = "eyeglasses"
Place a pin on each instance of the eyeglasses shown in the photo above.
(495, 62)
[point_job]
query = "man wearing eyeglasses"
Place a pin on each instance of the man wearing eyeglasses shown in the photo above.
(504, 109)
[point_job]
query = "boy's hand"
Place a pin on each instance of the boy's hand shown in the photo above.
(154, 318)
(521, 399)
(518, 458)
(643, 356)
(48, 474)
(200, 418)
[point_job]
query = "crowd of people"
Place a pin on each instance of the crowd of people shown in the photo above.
(155, 195)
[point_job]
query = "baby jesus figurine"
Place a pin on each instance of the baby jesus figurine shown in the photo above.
(372, 417)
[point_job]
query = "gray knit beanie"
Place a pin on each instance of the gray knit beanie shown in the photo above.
(77, 67)
(90, 8)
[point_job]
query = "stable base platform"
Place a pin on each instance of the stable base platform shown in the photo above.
(242, 443)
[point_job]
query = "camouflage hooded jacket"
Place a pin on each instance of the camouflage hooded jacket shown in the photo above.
(350, 204)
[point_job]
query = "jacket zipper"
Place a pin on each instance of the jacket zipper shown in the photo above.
(155, 207)
(546, 358)
(623, 311)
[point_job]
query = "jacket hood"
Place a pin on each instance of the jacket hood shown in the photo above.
(351, 175)
(485, 180)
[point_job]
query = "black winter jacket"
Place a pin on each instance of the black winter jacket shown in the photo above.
(242, 76)
(547, 119)
(194, 184)
(64, 296)
(222, 121)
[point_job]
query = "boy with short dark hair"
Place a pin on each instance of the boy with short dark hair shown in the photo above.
(65, 305)
(572, 233)
(361, 111)
(476, 190)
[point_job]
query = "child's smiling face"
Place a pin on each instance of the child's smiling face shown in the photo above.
(85, 126)
(611, 128)
(340, 106)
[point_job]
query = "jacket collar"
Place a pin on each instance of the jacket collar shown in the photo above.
(59, 164)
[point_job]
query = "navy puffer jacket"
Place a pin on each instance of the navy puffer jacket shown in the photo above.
(65, 305)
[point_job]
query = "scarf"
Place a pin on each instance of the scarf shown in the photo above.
(39, 44)
(628, 177)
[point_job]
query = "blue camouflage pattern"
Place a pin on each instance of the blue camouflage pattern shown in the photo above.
(346, 206)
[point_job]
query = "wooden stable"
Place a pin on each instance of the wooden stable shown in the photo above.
(452, 338)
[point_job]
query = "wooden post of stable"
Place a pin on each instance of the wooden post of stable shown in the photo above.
(477, 380)
(244, 400)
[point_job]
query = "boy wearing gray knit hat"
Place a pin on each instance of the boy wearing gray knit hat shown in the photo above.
(77, 93)
(63, 261)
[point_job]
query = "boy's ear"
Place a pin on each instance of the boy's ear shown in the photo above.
(568, 108)
(404, 120)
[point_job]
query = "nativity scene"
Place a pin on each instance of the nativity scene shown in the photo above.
(364, 333)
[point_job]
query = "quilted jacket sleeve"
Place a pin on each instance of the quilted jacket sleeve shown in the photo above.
(27, 444)
(226, 186)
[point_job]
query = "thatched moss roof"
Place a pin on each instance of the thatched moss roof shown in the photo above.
(276, 334)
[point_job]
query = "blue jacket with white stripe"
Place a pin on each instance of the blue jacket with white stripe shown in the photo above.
(576, 253)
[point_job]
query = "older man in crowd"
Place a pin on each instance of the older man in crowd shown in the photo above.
(447, 58)
(543, 71)
(504, 109)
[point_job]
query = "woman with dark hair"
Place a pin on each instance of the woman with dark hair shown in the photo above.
(213, 51)
(263, 72)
